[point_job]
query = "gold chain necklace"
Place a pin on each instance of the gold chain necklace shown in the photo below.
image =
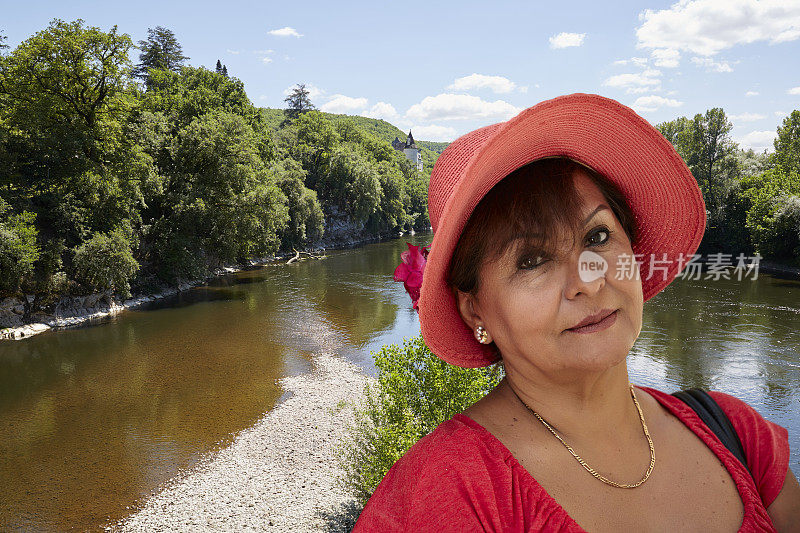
(588, 468)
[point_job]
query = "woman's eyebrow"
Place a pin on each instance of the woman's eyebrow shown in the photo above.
(593, 213)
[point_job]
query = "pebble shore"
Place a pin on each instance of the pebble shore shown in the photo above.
(278, 475)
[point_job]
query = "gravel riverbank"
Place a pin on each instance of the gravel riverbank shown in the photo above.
(278, 475)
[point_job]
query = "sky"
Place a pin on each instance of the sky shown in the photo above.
(442, 69)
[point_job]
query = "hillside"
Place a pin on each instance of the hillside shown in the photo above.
(378, 127)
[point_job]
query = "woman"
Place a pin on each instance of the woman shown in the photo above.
(544, 229)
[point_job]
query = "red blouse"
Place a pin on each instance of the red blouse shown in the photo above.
(460, 477)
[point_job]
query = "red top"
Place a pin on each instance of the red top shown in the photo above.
(460, 477)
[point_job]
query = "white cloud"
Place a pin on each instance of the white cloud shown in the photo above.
(497, 84)
(780, 114)
(653, 102)
(706, 27)
(381, 110)
(566, 40)
(666, 57)
(757, 140)
(340, 103)
(637, 61)
(793, 90)
(264, 55)
(285, 32)
(234, 52)
(711, 65)
(434, 133)
(448, 106)
(640, 90)
(523, 89)
(751, 93)
(746, 117)
(636, 82)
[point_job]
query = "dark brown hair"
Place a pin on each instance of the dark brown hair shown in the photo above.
(537, 202)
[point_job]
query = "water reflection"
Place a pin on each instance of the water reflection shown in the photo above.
(94, 418)
(739, 337)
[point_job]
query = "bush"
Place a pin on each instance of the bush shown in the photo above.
(416, 392)
(781, 238)
(105, 262)
(18, 248)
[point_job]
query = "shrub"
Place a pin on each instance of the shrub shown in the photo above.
(18, 248)
(416, 392)
(781, 238)
(105, 262)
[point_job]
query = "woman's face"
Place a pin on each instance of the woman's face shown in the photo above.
(528, 304)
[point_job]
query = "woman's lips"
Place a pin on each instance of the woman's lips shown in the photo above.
(607, 322)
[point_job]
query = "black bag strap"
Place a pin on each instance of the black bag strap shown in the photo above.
(715, 418)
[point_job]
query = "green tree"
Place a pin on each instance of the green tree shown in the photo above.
(394, 199)
(19, 250)
(311, 140)
(64, 87)
(105, 262)
(223, 203)
(160, 51)
(787, 143)
(771, 212)
(705, 145)
(306, 221)
(352, 185)
(192, 92)
(679, 133)
(298, 102)
(221, 69)
(65, 97)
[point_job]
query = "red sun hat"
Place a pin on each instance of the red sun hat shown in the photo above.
(598, 132)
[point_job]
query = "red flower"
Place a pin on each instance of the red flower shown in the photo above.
(410, 271)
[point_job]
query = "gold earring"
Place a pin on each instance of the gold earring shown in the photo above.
(482, 335)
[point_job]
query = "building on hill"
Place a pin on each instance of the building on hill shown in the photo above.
(409, 148)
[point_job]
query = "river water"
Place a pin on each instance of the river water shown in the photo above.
(95, 418)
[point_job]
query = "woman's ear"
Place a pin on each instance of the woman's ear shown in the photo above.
(468, 308)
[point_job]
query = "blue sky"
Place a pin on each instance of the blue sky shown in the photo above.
(445, 68)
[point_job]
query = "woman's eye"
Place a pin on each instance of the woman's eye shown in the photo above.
(595, 238)
(532, 262)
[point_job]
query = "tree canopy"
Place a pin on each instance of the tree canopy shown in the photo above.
(787, 143)
(160, 51)
(109, 186)
(298, 102)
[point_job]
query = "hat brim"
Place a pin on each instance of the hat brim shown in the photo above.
(598, 132)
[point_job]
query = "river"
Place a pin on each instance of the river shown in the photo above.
(95, 418)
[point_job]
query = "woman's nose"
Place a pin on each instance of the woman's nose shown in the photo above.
(585, 274)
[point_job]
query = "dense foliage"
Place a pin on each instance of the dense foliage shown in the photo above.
(174, 170)
(751, 199)
(416, 391)
(116, 175)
